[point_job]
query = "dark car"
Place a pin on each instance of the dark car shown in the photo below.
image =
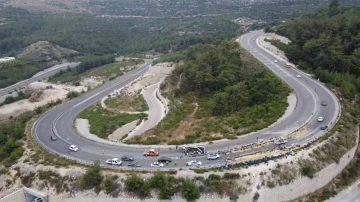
(323, 127)
(127, 158)
(165, 160)
(134, 164)
(53, 138)
(323, 103)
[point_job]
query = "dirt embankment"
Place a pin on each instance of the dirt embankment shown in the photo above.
(43, 93)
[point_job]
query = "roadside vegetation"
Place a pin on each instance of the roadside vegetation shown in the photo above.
(104, 122)
(21, 96)
(127, 103)
(14, 71)
(171, 57)
(161, 185)
(87, 63)
(220, 92)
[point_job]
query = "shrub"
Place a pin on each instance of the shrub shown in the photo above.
(92, 177)
(231, 176)
(109, 184)
(28, 179)
(190, 191)
(308, 170)
(137, 185)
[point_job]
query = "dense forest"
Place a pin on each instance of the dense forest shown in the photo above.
(217, 69)
(327, 43)
(92, 34)
(221, 90)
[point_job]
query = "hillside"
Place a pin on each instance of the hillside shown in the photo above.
(221, 91)
(45, 51)
(328, 44)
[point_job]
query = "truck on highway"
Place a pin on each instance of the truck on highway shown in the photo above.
(151, 152)
(194, 150)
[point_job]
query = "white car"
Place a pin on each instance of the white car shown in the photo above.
(213, 156)
(320, 119)
(157, 165)
(275, 61)
(114, 161)
(74, 148)
(193, 163)
(298, 76)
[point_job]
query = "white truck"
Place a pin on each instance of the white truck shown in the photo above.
(114, 161)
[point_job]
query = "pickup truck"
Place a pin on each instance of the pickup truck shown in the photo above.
(114, 161)
(151, 152)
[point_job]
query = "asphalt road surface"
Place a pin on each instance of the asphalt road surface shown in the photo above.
(309, 91)
(45, 74)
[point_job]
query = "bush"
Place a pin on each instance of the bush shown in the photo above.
(72, 94)
(231, 176)
(137, 185)
(28, 179)
(190, 191)
(308, 170)
(158, 180)
(92, 177)
(109, 184)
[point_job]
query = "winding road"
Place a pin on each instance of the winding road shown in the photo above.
(310, 93)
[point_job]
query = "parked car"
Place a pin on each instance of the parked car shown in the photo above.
(74, 148)
(127, 158)
(323, 103)
(157, 165)
(320, 119)
(134, 164)
(53, 138)
(324, 127)
(193, 163)
(164, 159)
(114, 161)
(214, 156)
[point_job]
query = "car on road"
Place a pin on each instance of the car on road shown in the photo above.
(320, 119)
(275, 61)
(127, 158)
(53, 138)
(151, 152)
(324, 127)
(114, 161)
(74, 148)
(323, 103)
(134, 164)
(157, 165)
(298, 76)
(194, 163)
(214, 156)
(164, 159)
